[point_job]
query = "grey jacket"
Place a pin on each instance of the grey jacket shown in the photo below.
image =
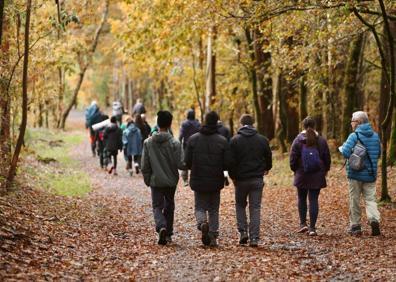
(161, 159)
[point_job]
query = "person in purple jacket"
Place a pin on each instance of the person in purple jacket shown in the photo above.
(310, 161)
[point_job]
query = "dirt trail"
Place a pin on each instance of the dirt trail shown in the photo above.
(282, 253)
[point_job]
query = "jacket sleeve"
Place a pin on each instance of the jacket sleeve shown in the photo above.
(229, 162)
(326, 158)
(348, 145)
(294, 155)
(267, 156)
(233, 147)
(181, 134)
(146, 166)
(188, 154)
(179, 156)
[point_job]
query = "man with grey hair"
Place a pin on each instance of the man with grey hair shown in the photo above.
(253, 158)
(362, 181)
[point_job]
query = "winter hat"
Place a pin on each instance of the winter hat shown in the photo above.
(211, 118)
(164, 119)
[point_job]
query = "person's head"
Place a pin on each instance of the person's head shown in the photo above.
(138, 119)
(113, 119)
(211, 118)
(246, 119)
(358, 118)
(309, 126)
(191, 114)
(138, 101)
(164, 119)
(128, 119)
(309, 122)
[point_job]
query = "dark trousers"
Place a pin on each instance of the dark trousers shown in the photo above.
(163, 201)
(313, 196)
(207, 207)
(251, 189)
(113, 157)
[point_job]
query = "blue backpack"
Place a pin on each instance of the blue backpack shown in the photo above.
(310, 158)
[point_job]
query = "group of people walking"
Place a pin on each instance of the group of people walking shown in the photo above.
(209, 152)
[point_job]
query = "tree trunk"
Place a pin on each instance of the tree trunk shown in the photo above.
(5, 116)
(385, 123)
(84, 68)
(282, 112)
(22, 129)
(351, 85)
(264, 76)
(253, 78)
(210, 70)
(303, 109)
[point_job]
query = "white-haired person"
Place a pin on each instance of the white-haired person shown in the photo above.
(362, 180)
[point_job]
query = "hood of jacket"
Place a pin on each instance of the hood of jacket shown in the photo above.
(192, 122)
(209, 129)
(161, 137)
(132, 127)
(365, 129)
(247, 131)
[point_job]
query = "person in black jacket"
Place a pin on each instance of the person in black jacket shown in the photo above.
(112, 137)
(253, 160)
(208, 155)
(188, 127)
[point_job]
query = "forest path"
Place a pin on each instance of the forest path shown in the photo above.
(282, 254)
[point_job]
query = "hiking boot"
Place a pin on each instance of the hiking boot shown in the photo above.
(312, 232)
(162, 237)
(111, 170)
(243, 238)
(302, 229)
(375, 229)
(355, 230)
(253, 243)
(168, 239)
(137, 169)
(205, 233)
(213, 241)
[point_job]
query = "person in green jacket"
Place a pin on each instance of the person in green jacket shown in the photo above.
(161, 159)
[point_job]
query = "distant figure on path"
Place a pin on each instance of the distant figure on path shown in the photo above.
(138, 108)
(310, 161)
(132, 142)
(161, 159)
(103, 160)
(253, 157)
(208, 155)
(362, 180)
(188, 127)
(118, 111)
(113, 142)
(92, 116)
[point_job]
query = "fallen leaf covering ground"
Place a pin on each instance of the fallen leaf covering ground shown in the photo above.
(109, 234)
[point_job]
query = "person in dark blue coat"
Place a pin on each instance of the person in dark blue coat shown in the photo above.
(188, 127)
(363, 181)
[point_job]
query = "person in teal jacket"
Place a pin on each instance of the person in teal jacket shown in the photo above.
(363, 181)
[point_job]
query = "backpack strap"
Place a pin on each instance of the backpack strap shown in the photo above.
(368, 155)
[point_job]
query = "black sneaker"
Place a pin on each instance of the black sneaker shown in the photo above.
(168, 239)
(355, 230)
(253, 243)
(205, 234)
(312, 232)
(162, 237)
(302, 229)
(243, 238)
(375, 229)
(137, 169)
(213, 241)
